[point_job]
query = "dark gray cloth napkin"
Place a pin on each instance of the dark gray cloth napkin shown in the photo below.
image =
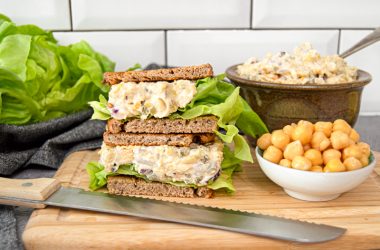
(8, 234)
(47, 143)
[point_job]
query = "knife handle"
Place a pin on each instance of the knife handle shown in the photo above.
(11, 190)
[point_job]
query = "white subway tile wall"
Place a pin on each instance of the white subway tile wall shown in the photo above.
(369, 60)
(124, 48)
(223, 33)
(48, 14)
(161, 14)
(222, 48)
(316, 14)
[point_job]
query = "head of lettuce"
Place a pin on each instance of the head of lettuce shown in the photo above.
(40, 79)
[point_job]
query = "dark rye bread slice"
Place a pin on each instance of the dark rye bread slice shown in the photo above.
(203, 124)
(130, 139)
(128, 185)
(171, 74)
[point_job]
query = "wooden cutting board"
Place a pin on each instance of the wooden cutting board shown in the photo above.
(55, 228)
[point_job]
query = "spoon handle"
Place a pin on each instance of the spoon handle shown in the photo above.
(366, 41)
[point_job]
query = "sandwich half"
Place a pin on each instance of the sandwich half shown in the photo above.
(170, 132)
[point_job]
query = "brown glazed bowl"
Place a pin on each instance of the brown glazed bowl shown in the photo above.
(281, 104)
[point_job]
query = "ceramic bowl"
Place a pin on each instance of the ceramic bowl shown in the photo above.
(314, 186)
(282, 104)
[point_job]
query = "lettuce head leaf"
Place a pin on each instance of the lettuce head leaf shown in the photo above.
(42, 80)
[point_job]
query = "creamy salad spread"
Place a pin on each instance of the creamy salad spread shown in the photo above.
(304, 65)
(192, 165)
(144, 99)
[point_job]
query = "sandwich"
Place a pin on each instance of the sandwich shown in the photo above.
(172, 132)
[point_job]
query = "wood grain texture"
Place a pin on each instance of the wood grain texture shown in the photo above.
(21, 203)
(357, 210)
(31, 189)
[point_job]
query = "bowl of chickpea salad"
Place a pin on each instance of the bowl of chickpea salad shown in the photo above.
(315, 162)
(284, 88)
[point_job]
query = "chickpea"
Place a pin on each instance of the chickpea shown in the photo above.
(293, 149)
(264, 141)
(314, 156)
(273, 154)
(325, 144)
(301, 163)
(334, 165)
(307, 124)
(330, 154)
(325, 127)
(285, 163)
(352, 151)
(319, 141)
(366, 150)
(280, 139)
(364, 160)
(339, 140)
(342, 125)
(351, 142)
(306, 147)
(288, 129)
(352, 163)
(303, 133)
(354, 135)
(316, 169)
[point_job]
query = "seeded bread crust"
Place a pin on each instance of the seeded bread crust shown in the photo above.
(130, 139)
(171, 74)
(203, 124)
(129, 185)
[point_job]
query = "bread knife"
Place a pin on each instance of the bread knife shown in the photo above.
(42, 192)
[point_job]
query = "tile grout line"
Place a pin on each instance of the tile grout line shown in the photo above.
(71, 16)
(166, 46)
(212, 29)
(251, 14)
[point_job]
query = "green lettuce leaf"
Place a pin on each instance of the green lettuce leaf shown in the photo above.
(41, 80)
(134, 67)
(220, 98)
(100, 109)
(230, 165)
(98, 175)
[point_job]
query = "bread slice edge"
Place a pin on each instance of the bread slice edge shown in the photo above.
(129, 185)
(167, 74)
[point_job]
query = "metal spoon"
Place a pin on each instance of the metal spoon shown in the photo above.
(365, 42)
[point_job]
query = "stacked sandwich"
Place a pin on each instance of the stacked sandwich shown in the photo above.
(166, 130)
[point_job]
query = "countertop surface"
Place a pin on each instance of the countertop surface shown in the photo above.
(367, 126)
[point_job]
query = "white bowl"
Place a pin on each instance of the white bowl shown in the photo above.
(314, 186)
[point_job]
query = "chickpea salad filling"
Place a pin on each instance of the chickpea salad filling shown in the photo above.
(210, 166)
(196, 165)
(144, 99)
(305, 65)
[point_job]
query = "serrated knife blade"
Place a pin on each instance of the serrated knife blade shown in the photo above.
(231, 220)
